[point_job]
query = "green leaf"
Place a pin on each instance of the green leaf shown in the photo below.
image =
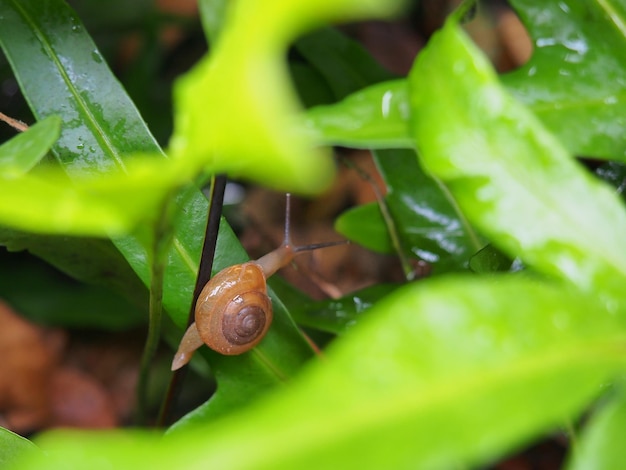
(328, 65)
(428, 220)
(242, 94)
(20, 154)
(573, 83)
(601, 445)
(212, 14)
(574, 79)
(375, 117)
(490, 260)
(365, 225)
(423, 382)
(95, 205)
(102, 125)
(60, 300)
(337, 315)
(91, 260)
(426, 217)
(13, 447)
(512, 178)
(343, 62)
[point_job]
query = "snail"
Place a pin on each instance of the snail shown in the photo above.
(233, 311)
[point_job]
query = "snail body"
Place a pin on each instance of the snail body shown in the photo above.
(233, 311)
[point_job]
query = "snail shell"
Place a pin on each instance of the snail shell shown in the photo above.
(233, 311)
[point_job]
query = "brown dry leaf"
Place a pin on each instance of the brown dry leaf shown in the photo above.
(29, 356)
(79, 401)
(515, 38)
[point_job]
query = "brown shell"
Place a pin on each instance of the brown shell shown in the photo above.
(233, 311)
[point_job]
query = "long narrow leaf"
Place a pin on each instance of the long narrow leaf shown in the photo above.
(47, 45)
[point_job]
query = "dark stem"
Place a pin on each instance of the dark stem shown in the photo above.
(216, 201)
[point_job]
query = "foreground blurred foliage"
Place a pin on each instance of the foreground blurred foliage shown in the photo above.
(453, 371)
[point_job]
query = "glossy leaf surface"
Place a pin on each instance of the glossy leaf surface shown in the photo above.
(338, 315)
(574, 82)
(402, 397)
(375, 117)
(426, 217)
(511, 177)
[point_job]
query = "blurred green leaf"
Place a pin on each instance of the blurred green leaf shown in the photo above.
(512, 178)
(423, 382)
(20, 154)
(343, 62)
(213, 15)
(601, 444)
(490, 260)
(573, 83)
(13, 447)
(242, 94)
(374, 117)
(101, 125)
(47, 202)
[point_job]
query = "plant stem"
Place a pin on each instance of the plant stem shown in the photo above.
(216, 200)
(387, 217)
(163, 233)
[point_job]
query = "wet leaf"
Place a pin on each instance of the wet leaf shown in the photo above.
(337, 315)
(510, 176)
(375, 117)
(427, 219)
(574, 82)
